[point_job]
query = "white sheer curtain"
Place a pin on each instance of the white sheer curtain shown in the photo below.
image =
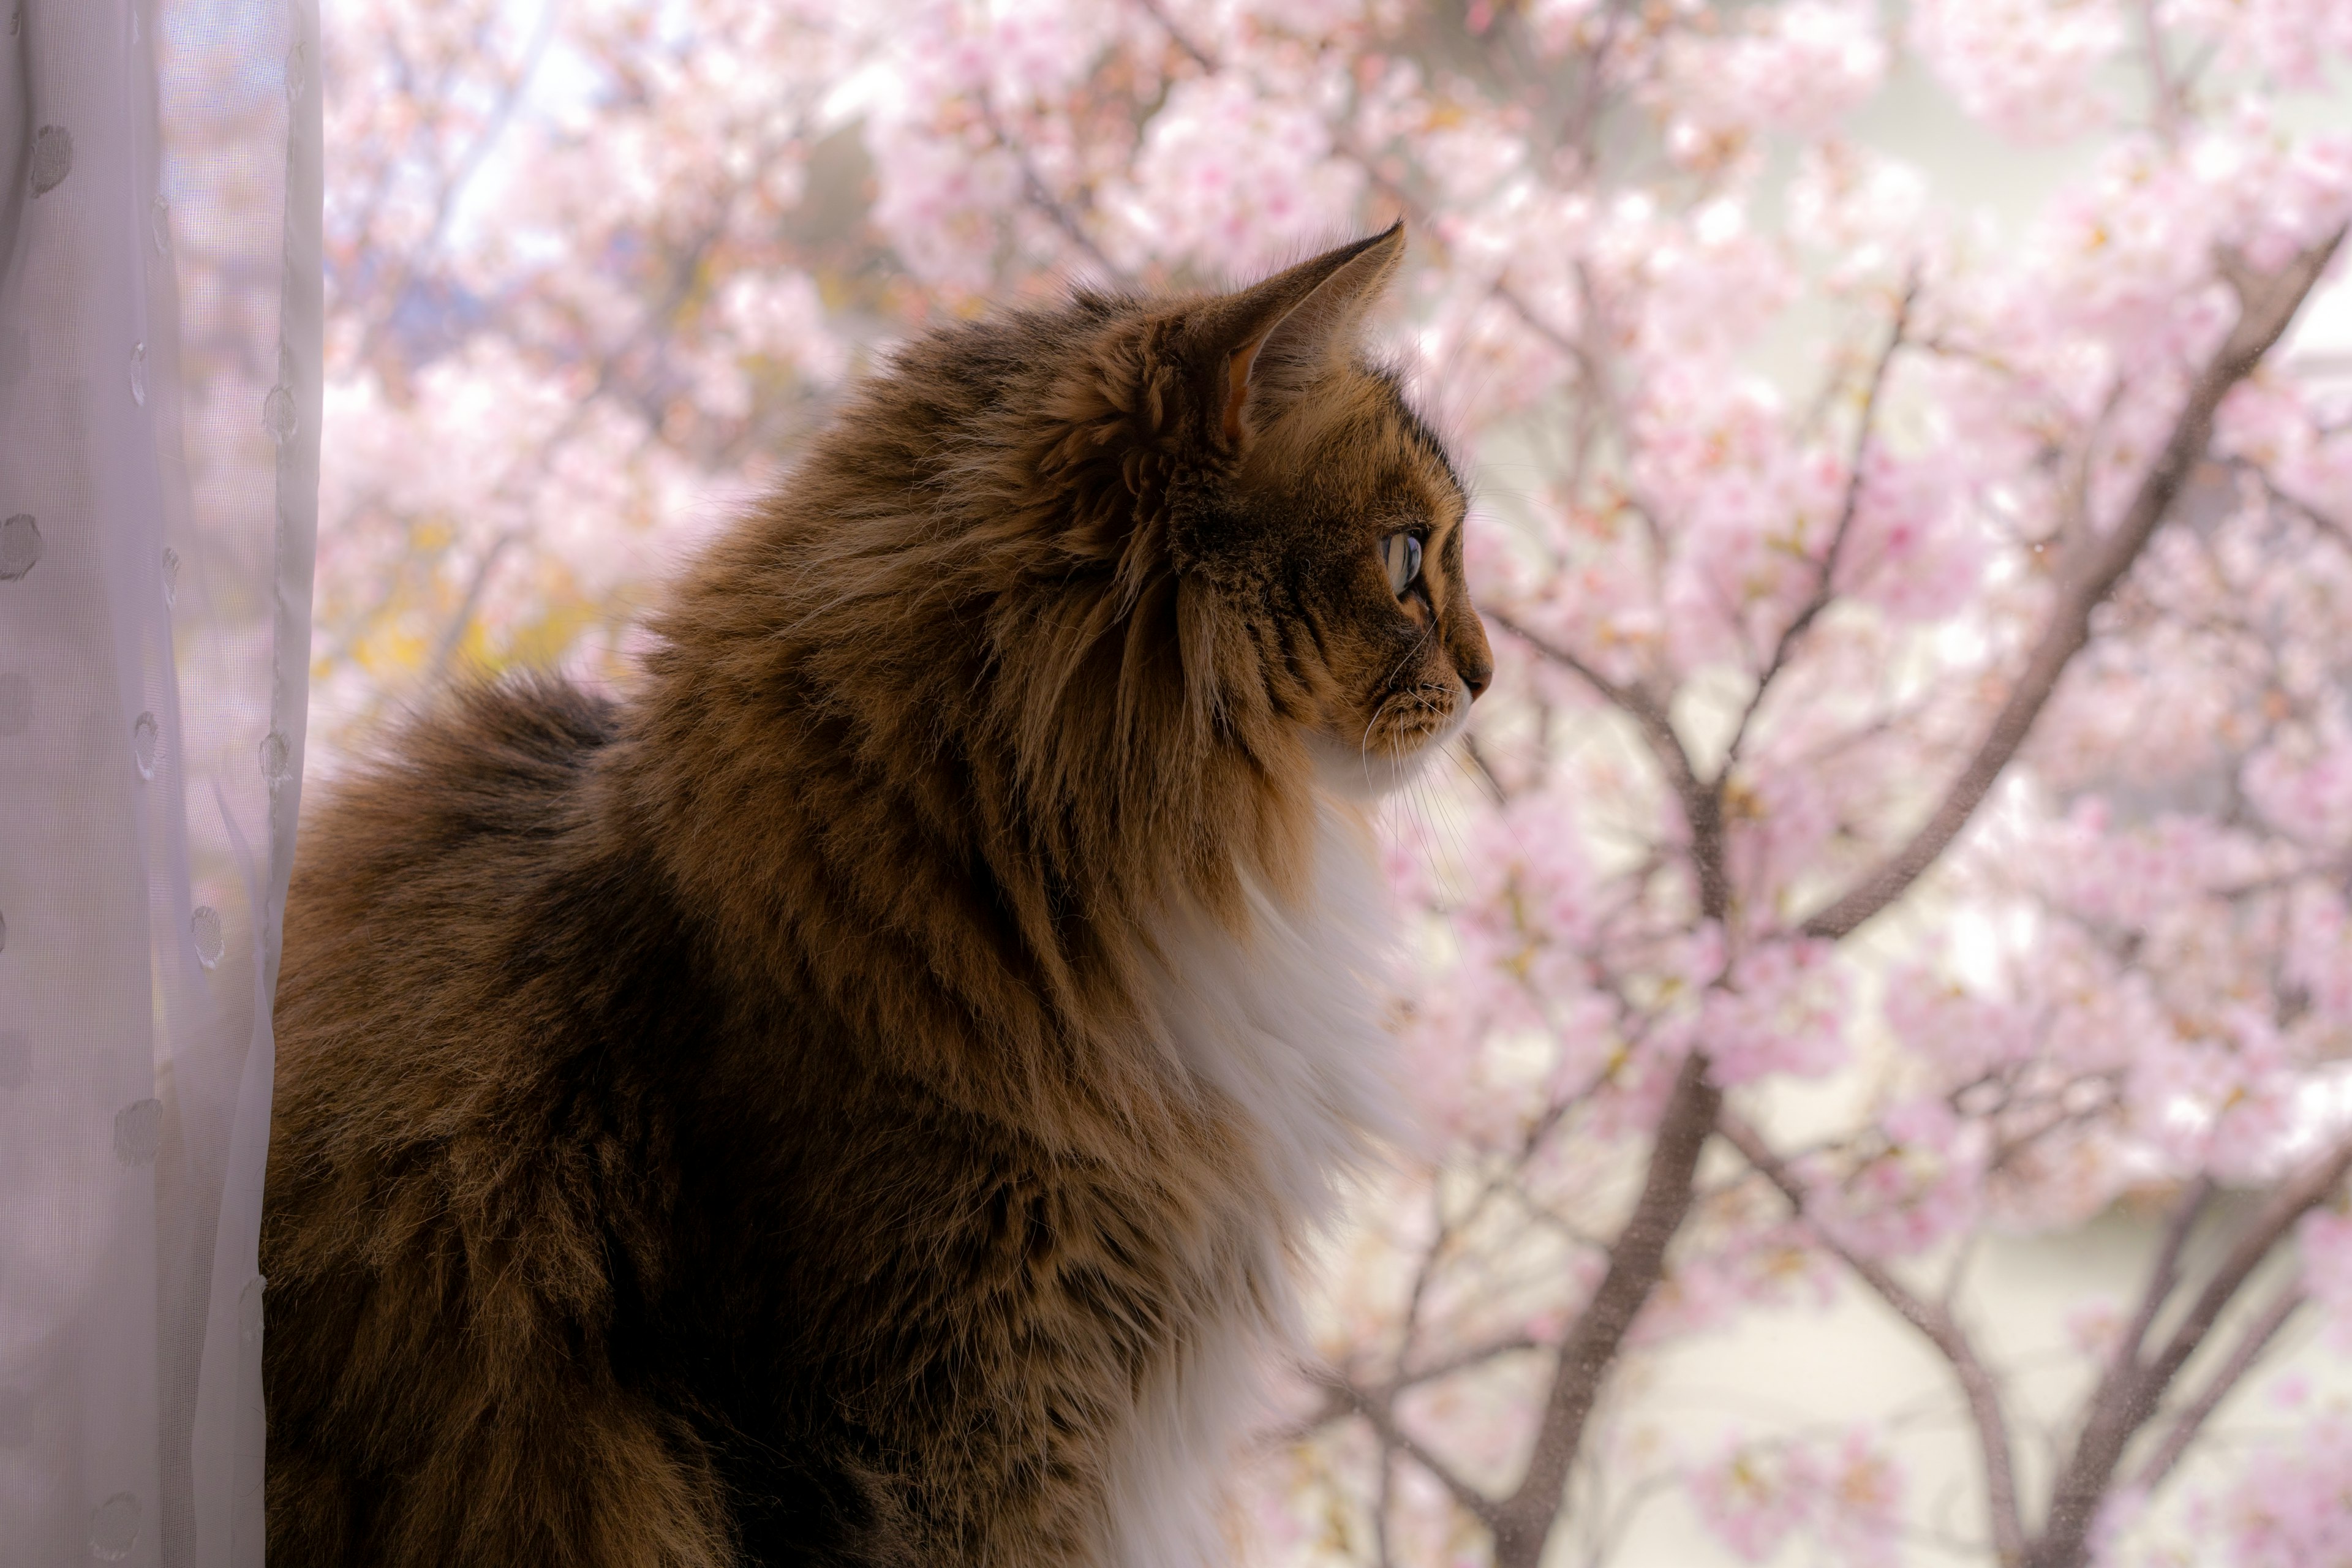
(159, 423)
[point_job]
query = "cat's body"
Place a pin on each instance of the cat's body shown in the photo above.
(852, 1101)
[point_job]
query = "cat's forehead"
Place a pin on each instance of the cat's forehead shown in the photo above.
(1428, 467)
(1377, 449)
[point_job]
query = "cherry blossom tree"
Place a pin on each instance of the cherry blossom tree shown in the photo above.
(1916, 807)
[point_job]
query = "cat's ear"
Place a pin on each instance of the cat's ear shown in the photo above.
(1272, 340)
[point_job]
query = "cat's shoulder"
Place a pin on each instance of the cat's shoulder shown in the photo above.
(522, 727)
(487, 757)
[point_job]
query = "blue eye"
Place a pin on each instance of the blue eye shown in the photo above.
(1400, 557)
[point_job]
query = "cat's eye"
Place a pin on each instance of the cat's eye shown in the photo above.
(1400, 555)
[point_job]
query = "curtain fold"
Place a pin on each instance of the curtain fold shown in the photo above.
(160, 317)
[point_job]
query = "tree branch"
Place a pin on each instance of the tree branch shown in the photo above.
(456, 178)
(510, 485)
(2166, 111)
(2128, 1393)
(1937, 1326)
(2166, 1273)
(1337, 1404)
(2094, 565)
(1159, 14)
(1636, 1262)
(2191, 1420)
(1824, 584)
(2289, 1202)
(1034, 191)
(2281, 496)
(1702, 804)
(452, 636)
(1584, 114)
(1382, 1420)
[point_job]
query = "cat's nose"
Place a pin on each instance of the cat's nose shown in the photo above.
(1474, 660)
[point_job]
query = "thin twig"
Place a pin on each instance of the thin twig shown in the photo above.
(459, 176)
(1382, 1420)
(1153, 9)
(2168, 107)
(2226, 1378)
(2128, 1395)
(2166, 1273)
(1825, 570)
(1702, 804)
(2093, 565)
(452, 636)
(1336, 1405)
(2327, 523)
(1034, 190)
(1937, 1326)
(1584, 114)
(682, 280)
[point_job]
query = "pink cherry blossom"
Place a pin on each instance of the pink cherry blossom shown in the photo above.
(1846, 1498)
(1755, 1498)
(2292, 1509)
(2024, 66)
(1782, 1009)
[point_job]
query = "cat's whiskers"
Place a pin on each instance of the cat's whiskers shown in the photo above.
(1449, 825)
(1449, 853)
(1364, 744)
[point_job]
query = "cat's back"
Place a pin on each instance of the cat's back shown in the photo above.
(467, 1169)
(423, 870)
(481, 786)
(442, 893)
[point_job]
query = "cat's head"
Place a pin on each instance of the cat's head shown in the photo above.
(1314, 517)
(1139, 573)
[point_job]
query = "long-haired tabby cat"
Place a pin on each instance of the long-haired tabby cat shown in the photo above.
(853, 1101)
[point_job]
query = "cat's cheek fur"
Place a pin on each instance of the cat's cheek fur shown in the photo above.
(1281, 1024)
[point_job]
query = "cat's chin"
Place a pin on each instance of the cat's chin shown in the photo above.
(1356, 774)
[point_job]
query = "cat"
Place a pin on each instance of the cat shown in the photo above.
(857, 1099)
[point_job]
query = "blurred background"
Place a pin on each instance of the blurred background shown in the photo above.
(1882, 973)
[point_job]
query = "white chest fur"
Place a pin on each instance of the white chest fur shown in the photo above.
(1284, 1027)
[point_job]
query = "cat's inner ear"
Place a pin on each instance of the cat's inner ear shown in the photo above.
(1274, 340)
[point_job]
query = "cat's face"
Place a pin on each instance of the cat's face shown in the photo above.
(1369, 604)
(1340, 537)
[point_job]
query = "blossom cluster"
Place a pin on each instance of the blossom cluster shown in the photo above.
(1845, 1497)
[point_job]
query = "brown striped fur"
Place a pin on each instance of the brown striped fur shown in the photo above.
(739, 1123)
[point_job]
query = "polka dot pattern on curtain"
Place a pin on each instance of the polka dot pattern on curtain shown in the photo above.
(160, 307)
